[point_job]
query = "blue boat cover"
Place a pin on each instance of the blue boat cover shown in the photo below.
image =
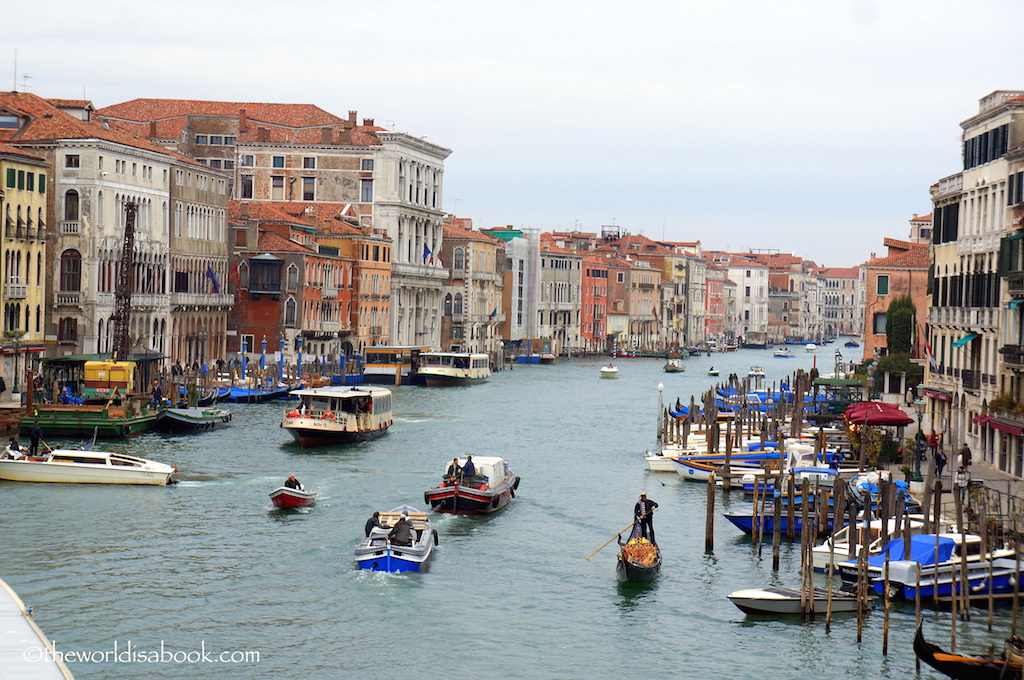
(756, 446)
(922, 550)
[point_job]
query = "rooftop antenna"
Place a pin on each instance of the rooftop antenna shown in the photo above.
(24, 81)
(15, 69)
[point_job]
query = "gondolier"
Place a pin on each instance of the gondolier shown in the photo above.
(643, 511)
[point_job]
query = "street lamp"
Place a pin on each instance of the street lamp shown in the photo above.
(280, 364)
(202, 345)
(298, 362)
(919, 407)
(16, 336)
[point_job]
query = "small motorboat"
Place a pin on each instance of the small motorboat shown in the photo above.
(783, 353)
(173, 420)
(377, 553)
(755, 372)
(639, 559)
(712, 371)
(490, 489)
(852, 344)
(991, 666)
(674, 366)
(609, 371)
(773, 600)
(811, 347)
(285, 497)
(83, 466)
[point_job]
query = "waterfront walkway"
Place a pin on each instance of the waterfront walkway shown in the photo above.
(25, 652)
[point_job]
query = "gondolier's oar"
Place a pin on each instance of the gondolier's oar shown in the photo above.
(620, 533)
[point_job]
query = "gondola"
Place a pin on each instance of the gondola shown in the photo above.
(639, 559)
(962, 667)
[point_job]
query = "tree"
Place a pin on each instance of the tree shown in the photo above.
(899, 325)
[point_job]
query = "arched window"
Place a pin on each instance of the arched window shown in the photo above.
(293, 277)
(67, 329)
(243, 276)
(289, 312)
(71, 205)
(448, 304)
(458, 304)
(459, 259)
(71, 271)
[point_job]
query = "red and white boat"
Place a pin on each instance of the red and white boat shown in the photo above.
(285, 497)
(490, 489)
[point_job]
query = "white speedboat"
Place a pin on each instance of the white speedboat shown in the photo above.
(811, 347)
(756, 372)
(442, 369)
(83, 467)
(609, 371)
(836, 548)
(339, 415)
(377, 553)
(783, 353)
(789, 601)
(674, 366)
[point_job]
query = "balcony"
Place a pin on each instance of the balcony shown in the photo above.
(1015, 284)
(970, 379)
(74, 298)
(70, 227)
(1013, 356)
(330, 293)
(15, 291)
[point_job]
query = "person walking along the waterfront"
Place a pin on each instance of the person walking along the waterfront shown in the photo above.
(964, 456)
(643, 511)
(962, 480)
(940, 461)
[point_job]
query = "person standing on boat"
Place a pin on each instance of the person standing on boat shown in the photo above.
(293, 483)
(35, 434)
(469, 469)
(374, 523)
(643, 511)
(158, 393)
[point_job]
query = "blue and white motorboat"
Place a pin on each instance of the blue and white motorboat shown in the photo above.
(377, 553)
(783, 353)
(935, 555)
(907, 578)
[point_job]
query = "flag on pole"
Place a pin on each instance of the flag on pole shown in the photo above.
(428, 256)
(212, 275)
(493, 314)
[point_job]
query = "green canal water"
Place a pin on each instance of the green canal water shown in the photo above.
(209, 565)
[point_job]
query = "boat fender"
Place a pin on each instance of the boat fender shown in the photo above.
(512, 492)
(125, 430)
(516, 485)
(496, 501)
(426, 498)
(436, 542)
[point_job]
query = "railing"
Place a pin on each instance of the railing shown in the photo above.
(330, 293)
(16, 291)
(970, 379)
(1013, 355)
(1015, 283)
(70, 227)
(68, 298)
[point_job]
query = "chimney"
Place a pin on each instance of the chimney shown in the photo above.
(261, 134)
(368, 122)
(325, 135)
(351, 120)
(152, 129)
(243, 121)
(245, 210)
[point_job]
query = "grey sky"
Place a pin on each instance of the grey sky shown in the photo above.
(811, 126)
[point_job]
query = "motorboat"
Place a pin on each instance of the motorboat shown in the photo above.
(836, 548)
(339, 414)
(547, 358)
(674, 366)
(377, 553)
(783, 353)
(755, 372)
(442, 369)
(83, 466)
(287, 497)
(609, 371)
(178, 420)
(712, 371)
(774, 600)
(256, 394)
(851, 344)
(490, 489)
(933, 552)
(811, 347)
(908, 578)
(990, 666)
(639, 559)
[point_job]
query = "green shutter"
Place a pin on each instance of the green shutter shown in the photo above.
(11, 175)
(21, 179)
(42, 183)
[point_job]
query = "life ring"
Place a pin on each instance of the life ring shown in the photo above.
(328, 416)
(293, 414)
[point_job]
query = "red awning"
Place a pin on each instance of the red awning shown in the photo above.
(876, 413)
(981, 420)
(1005, 427)
(938, 394)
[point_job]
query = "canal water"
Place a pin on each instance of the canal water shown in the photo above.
(209, 566)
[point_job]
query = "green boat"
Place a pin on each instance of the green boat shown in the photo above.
(107, 421)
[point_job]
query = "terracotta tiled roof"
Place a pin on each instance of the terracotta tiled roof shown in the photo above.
(915, 257)
(9, 150)
(838, 272)
(272, 242)
(282, 123)
(549, 247)
(457, 233)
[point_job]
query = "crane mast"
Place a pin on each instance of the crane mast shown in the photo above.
(123, 288)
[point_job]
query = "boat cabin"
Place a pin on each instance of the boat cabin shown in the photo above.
(492, 468)
(392, 364)
(103, 377)
(353, 400)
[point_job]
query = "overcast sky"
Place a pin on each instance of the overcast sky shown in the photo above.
(810, 126)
